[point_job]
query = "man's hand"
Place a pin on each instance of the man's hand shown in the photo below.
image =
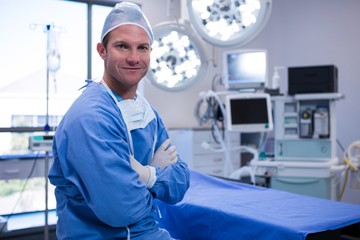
(147, 174)
(165, 155)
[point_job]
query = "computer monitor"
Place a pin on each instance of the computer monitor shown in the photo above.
(248, 112)
(244, 69)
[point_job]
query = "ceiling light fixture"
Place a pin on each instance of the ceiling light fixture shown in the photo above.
(228, 22)
(177, 57)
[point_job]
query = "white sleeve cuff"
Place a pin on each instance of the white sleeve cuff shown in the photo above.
(152, 176)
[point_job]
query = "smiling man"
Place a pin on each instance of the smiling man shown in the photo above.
(112, 155)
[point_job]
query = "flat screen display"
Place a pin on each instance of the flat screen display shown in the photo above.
(244, 69)
(249, 112)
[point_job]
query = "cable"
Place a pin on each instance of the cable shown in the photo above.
(213, 134)
(340, 145)
(351, 160)
(208, 114)
(21, 193)
(351, 157)
(264, 136)
(344, 184)
(216, 79)
(350, 165)
(213, 112)
(346, 172)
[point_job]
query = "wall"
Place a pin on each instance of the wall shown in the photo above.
(299, 33)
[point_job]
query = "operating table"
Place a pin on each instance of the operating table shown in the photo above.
(215, 208)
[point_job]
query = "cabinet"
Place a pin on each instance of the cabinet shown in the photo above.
(190, 147)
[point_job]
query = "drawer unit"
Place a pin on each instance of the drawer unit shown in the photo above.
(189, 143)
(327, 188)
(209, 160)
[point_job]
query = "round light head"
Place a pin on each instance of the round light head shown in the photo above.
(229, 22)
(177, 58)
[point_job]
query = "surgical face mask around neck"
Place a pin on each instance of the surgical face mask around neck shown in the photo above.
(136, 113)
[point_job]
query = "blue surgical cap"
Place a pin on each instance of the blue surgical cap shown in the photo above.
(126, 13)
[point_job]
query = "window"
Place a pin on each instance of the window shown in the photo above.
(30, 96)
(23, 89)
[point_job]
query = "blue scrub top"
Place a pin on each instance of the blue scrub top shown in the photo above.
(98, 193)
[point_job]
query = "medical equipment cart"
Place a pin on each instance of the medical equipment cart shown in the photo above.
(305, 159)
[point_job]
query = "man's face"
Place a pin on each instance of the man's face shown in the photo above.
(126, 56)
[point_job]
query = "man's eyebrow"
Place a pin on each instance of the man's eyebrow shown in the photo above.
(144, 44)
(120, 41)
(127, 43)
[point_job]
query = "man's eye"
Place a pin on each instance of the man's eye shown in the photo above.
(143, 48)
(121, 46)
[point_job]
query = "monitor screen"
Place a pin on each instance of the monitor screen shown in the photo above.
(244, 69)
(249, 112)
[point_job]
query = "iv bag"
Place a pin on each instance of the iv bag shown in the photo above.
(53, 54)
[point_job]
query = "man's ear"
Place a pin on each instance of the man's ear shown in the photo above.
(101, 50)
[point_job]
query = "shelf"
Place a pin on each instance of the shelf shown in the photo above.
(319, 96)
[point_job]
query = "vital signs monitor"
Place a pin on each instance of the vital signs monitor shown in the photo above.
(248, 112)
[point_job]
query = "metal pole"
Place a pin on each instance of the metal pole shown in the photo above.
(46, 224)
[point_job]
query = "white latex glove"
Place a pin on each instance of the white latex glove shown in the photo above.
(165, 155)
(147, 174)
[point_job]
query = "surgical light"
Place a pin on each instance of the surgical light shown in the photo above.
(177, 58)
(228, 22)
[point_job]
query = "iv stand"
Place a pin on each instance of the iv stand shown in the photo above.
(47, 129)
(50, 52)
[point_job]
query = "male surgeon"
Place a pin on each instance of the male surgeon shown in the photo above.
(112, 156)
